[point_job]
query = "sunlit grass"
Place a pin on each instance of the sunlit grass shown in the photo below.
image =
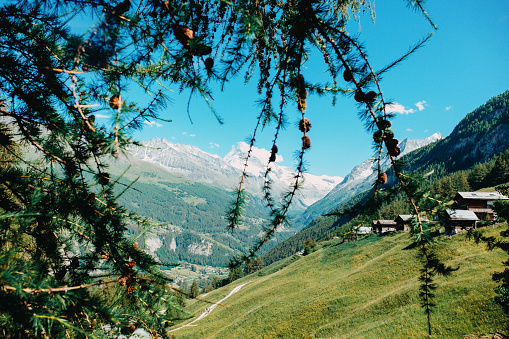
(364, 289)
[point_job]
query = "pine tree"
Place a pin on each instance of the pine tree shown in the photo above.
(500, 171)
(254, 265)
(67, 267)
(235, 273)
(309, 246)
(477, 175)
(195, 290)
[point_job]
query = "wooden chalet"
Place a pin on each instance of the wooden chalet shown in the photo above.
(383, 226)
(403, 222)
(481, 203)
(460, 219)
(364, 230)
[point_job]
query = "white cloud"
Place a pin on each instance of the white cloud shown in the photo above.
(184, 133)
(102, 116)
(448, 108)
(152, 123)
(420, 105)
(398, 108)
(173, 138)
(409, 130)
(192, 135)
(213, 145)
(426, 131)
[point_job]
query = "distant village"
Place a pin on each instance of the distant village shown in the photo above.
(472, 207)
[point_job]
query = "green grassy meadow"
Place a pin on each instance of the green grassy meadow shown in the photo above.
(363, 289)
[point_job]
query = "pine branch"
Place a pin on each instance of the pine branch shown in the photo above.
(406, 55)
(57, 289)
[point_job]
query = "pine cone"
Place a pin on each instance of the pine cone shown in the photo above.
(391, 143)
(115, 101)
(384, 124)
(304, 125)
(394, 151)
(382, 179)
(200, 49)
(347, 75)
(389, 134)
(377, 137)
(359, 96)
(209, 63)
(370, 97)
(306, 142)
(104, 179)
(183, 34)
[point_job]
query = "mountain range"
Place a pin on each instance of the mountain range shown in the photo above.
(318, 194)
(193, 163)
(188, 191)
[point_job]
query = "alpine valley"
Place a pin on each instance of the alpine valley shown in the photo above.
(187, 192)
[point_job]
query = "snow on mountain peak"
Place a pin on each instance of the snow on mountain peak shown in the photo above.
(257, 160)
(191, 162)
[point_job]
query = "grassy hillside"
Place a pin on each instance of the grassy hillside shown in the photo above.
(363, 289)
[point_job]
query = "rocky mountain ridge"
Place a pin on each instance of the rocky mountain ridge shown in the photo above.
(195, 164)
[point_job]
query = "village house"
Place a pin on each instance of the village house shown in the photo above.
(460, 219)
(481, 203)
(363, 230)
(383, 226)
(403, 221)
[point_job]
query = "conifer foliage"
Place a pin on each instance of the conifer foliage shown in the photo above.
(67, 268)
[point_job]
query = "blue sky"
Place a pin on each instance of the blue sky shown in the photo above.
(464, 64)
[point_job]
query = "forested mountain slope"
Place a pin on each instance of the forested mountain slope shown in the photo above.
(363, 289)
(190, 214)
(481, 134)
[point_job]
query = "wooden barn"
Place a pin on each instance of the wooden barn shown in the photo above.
(460, 219)
(403, 221)
(383, 226)
(481, 203)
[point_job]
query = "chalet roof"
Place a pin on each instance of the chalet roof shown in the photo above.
(462, 215)
(384, 222)
(481, 210)
(364, 229)
(407, 217)
(482, 195)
